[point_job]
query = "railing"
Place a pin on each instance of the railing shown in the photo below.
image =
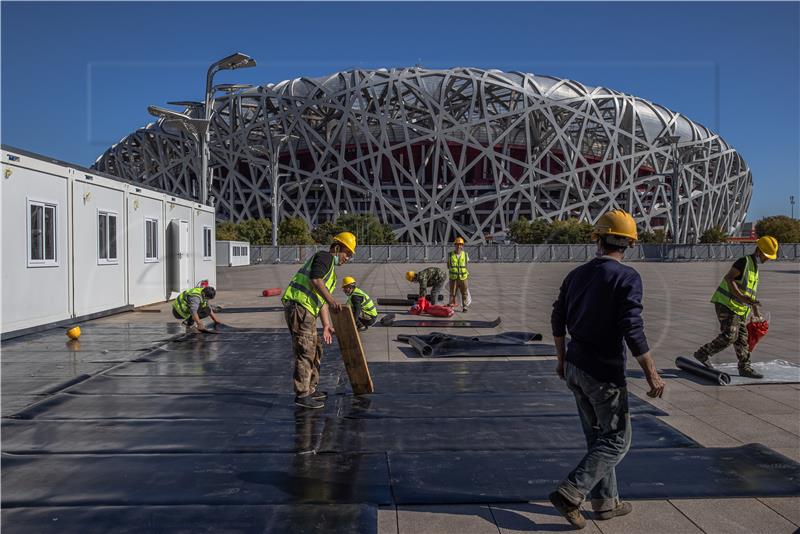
(520, 253)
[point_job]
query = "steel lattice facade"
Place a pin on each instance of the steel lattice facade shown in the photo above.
(440, 153)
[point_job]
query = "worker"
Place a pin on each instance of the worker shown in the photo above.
(308, 296)
(364, 311)
(733, 300)
(600, 304)
(192, 305)
(432, 277)
(457, 267)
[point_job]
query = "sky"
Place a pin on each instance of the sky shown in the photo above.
(78, 77)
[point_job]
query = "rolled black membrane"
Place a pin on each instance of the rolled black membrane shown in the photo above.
(698, 369)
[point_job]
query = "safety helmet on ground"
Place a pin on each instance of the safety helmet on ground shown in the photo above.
(347, 280)
(347, 240)
(459, 241)
(768, 246)
(410, 276)
(614, 225)
(74, 332)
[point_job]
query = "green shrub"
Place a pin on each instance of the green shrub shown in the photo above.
(714, 235)
(783, 228)
(294, 231)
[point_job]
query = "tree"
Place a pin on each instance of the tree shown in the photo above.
(783, 228)
(367, 228)
(714, 235)
(294, 231)
(570, 231)
(654, 236)
(539, 230)
(323, 233)
(256, 231)
(226, 231)
(519, 231)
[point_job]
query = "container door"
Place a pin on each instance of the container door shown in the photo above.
(178, 256)
(184, 255)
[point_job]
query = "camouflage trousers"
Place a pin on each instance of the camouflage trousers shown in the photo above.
(733, 331)
(306, 347)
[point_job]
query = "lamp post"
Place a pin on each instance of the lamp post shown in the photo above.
(791, 201)
(232, 62)
(276, 152)
(197, 128)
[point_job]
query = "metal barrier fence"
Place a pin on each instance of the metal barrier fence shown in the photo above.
(520, 253)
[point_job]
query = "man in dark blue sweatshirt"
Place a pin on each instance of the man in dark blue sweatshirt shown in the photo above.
(600, 304)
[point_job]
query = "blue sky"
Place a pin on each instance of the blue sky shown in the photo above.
(77, 77)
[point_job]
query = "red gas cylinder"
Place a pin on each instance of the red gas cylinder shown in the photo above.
(271, 292)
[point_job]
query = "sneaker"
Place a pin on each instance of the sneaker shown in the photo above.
(309, 402)
(570, 512)
(319, 395)
(623, 508)
(749, 372)
(703, 360)
(362, 328)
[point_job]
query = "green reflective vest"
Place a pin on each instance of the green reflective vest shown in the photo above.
(302, 292)
(748, 286)
(181, 304)
(458, 266)
(367, 306)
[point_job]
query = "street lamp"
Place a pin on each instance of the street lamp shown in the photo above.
(276, 152)
(196, 128)
(232, 62)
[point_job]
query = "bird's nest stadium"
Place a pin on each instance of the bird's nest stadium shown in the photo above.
(441, 153)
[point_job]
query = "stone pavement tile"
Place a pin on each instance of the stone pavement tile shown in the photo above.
(750, 429)
(700, 431)
(387, 520)
(749, 402)
(788, 507)
(787, 395)
(539, 516)
(788, 422)
(445, 519)
(650, 516)
(731, 516)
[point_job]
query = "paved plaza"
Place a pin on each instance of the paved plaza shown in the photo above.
(678, 318)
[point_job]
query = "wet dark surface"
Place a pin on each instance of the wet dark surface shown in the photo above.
(201, 433)
(389, 320)
(294, 519)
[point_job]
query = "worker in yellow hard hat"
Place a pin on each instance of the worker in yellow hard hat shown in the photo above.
(364, 311)
(733, 300)
(600, 305)
(457, 268)
(192, 306)
(308, 296)
(432, 278)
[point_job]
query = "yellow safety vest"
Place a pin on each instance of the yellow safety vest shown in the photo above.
(302, 292)
(367, 306)
(749, 286)
(458, 266)
(181, 304)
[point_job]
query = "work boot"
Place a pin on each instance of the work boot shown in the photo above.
(705, 360)
(362, 328)
(319, 395)
(623, 508)
(570, 512)
(464, 309)
(307, 401)
(749, 372)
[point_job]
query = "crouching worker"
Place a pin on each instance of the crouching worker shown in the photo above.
(432, 278)
(192, 306)
(364, 311)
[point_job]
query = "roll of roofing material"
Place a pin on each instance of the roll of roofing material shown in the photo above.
(698, 369)
(271, 292)
(420, 346)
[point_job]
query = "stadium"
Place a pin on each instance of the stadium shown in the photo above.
(443, 153)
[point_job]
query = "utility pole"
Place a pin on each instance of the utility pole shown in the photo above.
(791, 201)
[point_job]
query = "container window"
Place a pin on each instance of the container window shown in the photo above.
(41, 234)
(106, 237)
(206, 243)
(150, 240)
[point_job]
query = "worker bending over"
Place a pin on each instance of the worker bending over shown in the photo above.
(192, 306)
(457, 267)
(600, 304)
(733, 299)
(364, 311)
(432, 277)
(308, 296)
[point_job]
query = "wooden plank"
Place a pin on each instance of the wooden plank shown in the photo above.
(352, 352)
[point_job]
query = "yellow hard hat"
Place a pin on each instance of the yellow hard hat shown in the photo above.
(410, 276)
(768, 246)
(74, 332)
(459, 241)
(617, 223)
(347, 280)
(347, 240)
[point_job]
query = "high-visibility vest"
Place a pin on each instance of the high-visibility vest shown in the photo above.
(748, 286)
(458, 266)
(302, 292)
(181, 304)
(367, 306)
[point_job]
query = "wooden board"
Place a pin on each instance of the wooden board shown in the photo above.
(352, 352)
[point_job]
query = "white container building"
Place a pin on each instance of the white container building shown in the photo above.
(79, 244)
(233, 253)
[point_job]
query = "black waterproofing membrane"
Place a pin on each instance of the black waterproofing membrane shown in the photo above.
(389, 320)
(200, 434)
(727, 374)
(438, 345)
